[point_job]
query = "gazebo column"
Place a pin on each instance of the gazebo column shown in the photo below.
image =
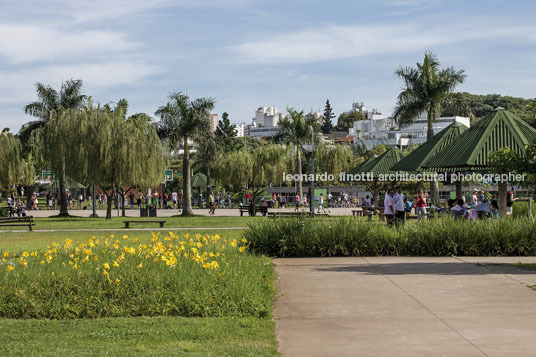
(503, 187)
(459, 188)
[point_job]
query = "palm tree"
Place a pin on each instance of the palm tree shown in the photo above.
(183, 119)
(50, 101)
(429, 89)
(295, 130)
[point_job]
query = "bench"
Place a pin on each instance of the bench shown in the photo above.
(357, 212)
(263, 210)
(18, 222)
(127, 223)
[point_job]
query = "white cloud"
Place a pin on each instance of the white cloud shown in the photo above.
(18, 86)
(337, 42)
(22, 44)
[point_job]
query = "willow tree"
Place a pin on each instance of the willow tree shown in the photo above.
(116, 151)
(183, 120)
(295, 130)
(254, 170)
(15, 169)
(334, 159)
(51, 105)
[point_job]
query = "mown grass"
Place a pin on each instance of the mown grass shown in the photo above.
(117, 222)
(344, 236)
(138, 336)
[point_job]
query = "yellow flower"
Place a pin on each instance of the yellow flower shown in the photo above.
(214, 265)
(6, 254)
(140, 266)
(25, 254)
(42, 262)
(75, 266)
(116, 281)
(10, 267)
(106, 266)
(241, 249)
(104, 272)
(95, 258)
(206, 265)
(125, 237)
(199, 245)
(115, 264)
(233, 243)
(244, 240)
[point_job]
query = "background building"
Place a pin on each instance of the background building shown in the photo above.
(213, 122)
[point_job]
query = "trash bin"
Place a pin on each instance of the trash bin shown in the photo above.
(144, 212)
(152, 211)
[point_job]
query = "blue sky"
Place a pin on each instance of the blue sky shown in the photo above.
(251, 53)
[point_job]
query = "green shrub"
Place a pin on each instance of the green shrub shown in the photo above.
(112, 277)
(346, 236)
(520, 209)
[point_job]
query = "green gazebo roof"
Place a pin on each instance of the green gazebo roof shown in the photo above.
(418, 157)
(471, 150)
(380, 165)
(199, 180)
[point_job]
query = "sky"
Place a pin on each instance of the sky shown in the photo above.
(252, 53)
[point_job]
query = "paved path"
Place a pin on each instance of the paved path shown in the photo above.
(170, 229)
(398, 306)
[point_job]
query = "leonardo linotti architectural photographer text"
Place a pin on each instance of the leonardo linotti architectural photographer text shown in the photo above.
(407, 177)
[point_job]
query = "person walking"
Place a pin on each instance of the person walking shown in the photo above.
(400, 207)
(297, 202)
(510, 199)
(212, 203)
(389, 208)
(321, 203)
(420, 205)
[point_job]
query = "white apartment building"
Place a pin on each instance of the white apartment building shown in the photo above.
(265, 122)
(213, 120)
(379, 129)
(241, 130)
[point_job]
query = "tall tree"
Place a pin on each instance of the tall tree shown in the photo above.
(15, 170)
(295, 130)
(346, 120)
(225, 129)
(327, 126)
(428, 89)
(205, 156)
(51, 102)
(183, 119)
(115, 151)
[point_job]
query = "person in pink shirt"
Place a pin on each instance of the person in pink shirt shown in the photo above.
(389, 207)
(297, 202)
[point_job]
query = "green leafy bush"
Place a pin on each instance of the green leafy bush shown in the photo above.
(346, 236)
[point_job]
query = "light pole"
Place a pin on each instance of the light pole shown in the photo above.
(312, 203)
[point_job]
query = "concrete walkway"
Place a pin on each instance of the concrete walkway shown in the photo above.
(398, 306)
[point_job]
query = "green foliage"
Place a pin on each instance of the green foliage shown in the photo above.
(151, 278)
(428, 88)
(334, 159)
(327, 125)
(481, 105)
(225, 129)
(15, 170)
(347, 236)
(346, 120)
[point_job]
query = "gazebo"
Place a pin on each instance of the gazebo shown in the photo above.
(470, 152)
(377, 166)
(414, 161)
(199, 180)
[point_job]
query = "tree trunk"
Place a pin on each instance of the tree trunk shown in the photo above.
(109, 198)
(459, 188)
(123, 212)
(434, 185)
(63, 190)
(186, 187)
(209, 187)
(299, 171)
(503, 188)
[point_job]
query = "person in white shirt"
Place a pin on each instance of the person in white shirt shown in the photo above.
(400, 212)
(174, 198)
(321, 203)
(389, 207)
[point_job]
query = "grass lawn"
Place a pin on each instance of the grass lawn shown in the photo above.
(117, 222)
(136, 336)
